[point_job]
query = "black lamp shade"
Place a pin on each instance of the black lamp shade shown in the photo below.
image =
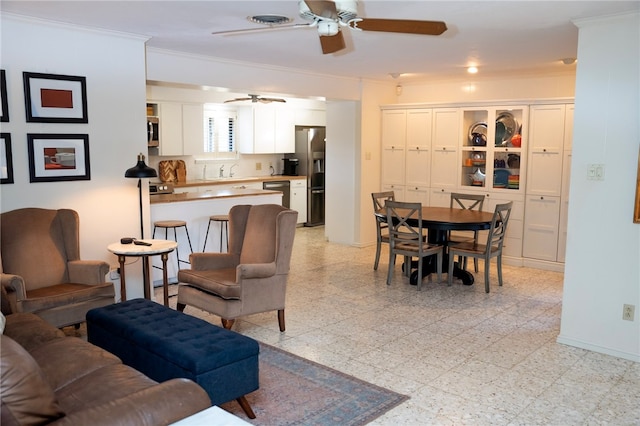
(140, 170)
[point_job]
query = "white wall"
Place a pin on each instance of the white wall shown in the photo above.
(113, 65)
(342, 195)
(602, 270)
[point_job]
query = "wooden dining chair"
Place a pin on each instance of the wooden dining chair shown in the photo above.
(379, 198)
(407, 239)
(492, 248)
(467, 202)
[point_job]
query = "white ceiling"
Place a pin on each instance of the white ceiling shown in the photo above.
(500, 37)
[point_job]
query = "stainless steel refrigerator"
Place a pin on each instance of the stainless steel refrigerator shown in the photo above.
(310, 150)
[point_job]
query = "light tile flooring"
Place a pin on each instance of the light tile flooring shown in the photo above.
(463, 356)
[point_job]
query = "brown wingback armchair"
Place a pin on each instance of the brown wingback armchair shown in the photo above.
(252, 276)
(41, 270)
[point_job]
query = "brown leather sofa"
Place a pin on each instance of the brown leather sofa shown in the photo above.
(49, 378)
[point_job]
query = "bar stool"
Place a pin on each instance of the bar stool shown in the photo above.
(224, 226)
(173, 224)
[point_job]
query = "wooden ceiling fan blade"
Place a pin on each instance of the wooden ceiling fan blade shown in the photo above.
(332, 44)
(260, 30)
(405, 26)
(267, 100)
(323, 8)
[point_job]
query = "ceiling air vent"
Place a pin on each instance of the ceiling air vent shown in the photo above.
(270, 19)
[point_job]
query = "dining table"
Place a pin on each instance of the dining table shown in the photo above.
(440, 221)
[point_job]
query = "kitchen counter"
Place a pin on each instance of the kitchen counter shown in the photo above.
(234, 180)
(210, 195)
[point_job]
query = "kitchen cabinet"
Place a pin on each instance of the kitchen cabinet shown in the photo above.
(310, 117)
(181, 128)
(547, 201)
(417, 194)
(394, 135)
(298, 198)
(398, 190)
(492, 146)
(406, 147)
(266, 129)
(444, 152)
(546, 140)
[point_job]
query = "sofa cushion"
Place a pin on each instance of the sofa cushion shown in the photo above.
(30, 331)
(27, 398)
(221, 282)
(53, 358)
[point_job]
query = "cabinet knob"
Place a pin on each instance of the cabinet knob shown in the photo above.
(544, 149)
(417, 148)
(444, 148)
(442, 190)
(542, 198)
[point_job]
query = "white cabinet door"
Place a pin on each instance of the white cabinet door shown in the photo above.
(546, 140)
(541, 227)
(285, 131)
(192, 129)
(398, 190)
(298, 200)
(444, 151)
(440, 197)
(394, 135)
(417, 194)
(265, 129)
(170, 115)
(418, 146)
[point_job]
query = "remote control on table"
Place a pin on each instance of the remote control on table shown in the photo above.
(141, 243)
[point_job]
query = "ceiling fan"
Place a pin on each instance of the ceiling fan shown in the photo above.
(329, 16)
(255, 99)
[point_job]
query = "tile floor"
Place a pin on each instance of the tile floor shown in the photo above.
(463, 356)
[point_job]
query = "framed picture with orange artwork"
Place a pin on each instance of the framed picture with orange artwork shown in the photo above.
(53, 98)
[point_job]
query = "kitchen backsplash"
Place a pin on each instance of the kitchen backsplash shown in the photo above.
(243, 166)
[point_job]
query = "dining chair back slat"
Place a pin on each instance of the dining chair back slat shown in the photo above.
(379, 199)
(492, 248)
(467, 202)
(406, 238)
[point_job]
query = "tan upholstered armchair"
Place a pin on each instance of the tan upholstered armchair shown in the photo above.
(250, 278)
(41, 267)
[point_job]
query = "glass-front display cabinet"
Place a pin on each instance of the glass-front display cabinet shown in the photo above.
(493, 146)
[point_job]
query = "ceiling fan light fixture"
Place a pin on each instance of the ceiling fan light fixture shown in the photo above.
(270, 20)
(328, 28)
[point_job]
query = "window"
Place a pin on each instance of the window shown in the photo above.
(219, 131)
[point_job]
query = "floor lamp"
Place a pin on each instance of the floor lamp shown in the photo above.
(140, 171)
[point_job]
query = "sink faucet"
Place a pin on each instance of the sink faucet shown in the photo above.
(231, 170)
(222, 171)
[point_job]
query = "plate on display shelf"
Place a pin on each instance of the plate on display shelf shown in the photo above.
(506, 127)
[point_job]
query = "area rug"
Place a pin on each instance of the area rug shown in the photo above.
(296, 391)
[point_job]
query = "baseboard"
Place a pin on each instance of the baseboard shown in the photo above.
(543, 264)
(596, 348)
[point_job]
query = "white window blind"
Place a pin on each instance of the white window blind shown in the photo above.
(219, 132)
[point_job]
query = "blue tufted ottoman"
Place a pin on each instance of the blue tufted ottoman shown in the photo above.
(165, 344)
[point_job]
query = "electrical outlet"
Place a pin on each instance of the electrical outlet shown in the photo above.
(114, 274)
(628, 312)
(258, 166)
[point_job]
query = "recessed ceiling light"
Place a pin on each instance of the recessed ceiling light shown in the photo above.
(472, 70)
(269, 19)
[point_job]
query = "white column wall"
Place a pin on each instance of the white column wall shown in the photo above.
(602, 270)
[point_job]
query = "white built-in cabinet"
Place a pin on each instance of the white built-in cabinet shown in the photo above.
(181, 128)
(298, 198)
(427, 153)
(547, 193)
(266, 129)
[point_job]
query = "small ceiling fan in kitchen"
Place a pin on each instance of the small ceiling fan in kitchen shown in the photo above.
(330, 16)
(256, 99)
